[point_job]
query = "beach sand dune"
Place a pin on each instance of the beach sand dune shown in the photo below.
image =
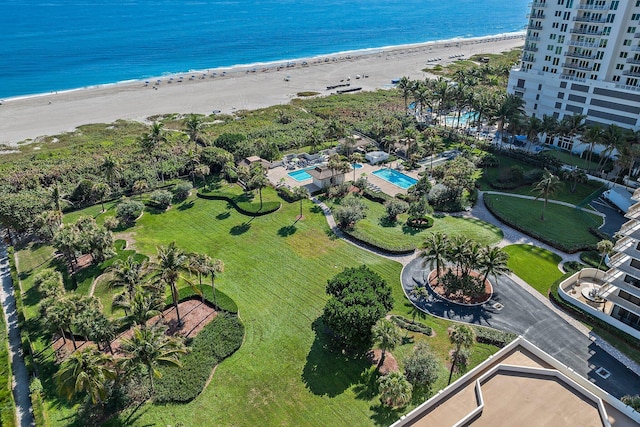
(240, 88)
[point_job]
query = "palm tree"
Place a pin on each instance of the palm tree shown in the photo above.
(592, 135)
(431, 143)
(459, 252)
(493, 261)
(434, 253)
(144, 306)
(395, 390)
(150, 143)
(111, 169)
(128, 273)
(213, 267)
(150, 347)
(140, 187)
(533, 127)
(612, 138)
(406, 87)
(461, 336)
(101, 191)
(57, 197)
(571, 126)
(86, 371)
(193, 125)
(605, 247)
(354, 159)
(167, 271)
(49, 222)
(199, 263)
(576, 176)
(549, 127)
(59, 315)
(387, 335)
(547, 186)
(300, 193)
(509, 108)
(258, 180)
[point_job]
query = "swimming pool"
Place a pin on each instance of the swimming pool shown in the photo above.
(470, 116)
(396, 178)
(301, 175)
(356, 165)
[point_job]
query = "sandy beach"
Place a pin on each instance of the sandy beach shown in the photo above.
(232, 89)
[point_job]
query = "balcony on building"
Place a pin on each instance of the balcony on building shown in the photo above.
(579, 55)
(535, 26)
(631, 73)
(582, 44)
(589, 19)
(572, 78)
(633, 61)
(536, 16)
(578, 67)
(527, 48)
(584, 6)
(631, 228)
(585, 31)
(536, 4)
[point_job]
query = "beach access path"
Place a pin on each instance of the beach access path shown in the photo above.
(232, 89)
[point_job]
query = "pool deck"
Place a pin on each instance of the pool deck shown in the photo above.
(277, 174)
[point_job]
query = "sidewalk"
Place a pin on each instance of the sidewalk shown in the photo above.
(24, 412)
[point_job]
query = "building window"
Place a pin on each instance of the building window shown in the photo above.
(631, 30)
(560, 95)
(619, 66)
(627, 42)
(558, 52)
(616, 78)
(623, 54)
(610, 18)
(614, 5)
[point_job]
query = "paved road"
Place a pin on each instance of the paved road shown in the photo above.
(20, 375)
(525, 315)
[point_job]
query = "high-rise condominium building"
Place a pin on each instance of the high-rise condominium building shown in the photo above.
(582, 57)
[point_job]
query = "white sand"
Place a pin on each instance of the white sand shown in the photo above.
(31, 117)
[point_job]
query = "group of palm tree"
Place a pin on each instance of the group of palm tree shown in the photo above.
(144, 284)
(463, 255)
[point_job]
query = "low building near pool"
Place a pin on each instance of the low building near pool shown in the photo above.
(323, 177)
(376, 157)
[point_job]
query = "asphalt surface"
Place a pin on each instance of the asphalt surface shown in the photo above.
(525, 315)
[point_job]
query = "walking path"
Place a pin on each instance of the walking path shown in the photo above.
(510, 236)
(20, 384)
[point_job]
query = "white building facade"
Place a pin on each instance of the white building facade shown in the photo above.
(581, 57)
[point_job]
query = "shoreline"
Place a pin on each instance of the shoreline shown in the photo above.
(29, 117)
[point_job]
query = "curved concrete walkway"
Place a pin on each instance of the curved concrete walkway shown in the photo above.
(24, 412)
(565, 338)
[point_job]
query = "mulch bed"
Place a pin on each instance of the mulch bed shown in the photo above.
(389, 365)
(458, 297)
(194, 314)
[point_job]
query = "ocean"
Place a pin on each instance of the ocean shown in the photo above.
(54, 45)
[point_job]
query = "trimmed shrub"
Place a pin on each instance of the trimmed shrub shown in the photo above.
(161, 199)
(214, 343)
(286, 194)
(223, 301)
(129, 210)
(420, 222)
(111, 222)
(245, 208)
(375, 196)
(493, 336)
(182, 191)
(412, 326)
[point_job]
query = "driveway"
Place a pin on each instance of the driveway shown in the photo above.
(525, 315)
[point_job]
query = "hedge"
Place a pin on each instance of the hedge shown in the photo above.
(223, 301)
(412, 326)
(215, 342)
(420, 222)
(376, 196)
(493, 336)
(587, 318)
(365, 240)
(245, 208)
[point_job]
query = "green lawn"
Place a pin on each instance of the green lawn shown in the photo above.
(375, 228)
(276, 270)
(563, 226)
(536, 266)
(573, 159)
(582, 191)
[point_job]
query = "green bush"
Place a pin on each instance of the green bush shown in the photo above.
(376, 196)
(286, 194)
(215, 342)
(182, 191)
(368, 240)
(161, 199)
(420, 222)
(592, 259)
(412, 326)
(129, 210)
(7, 404)
(493, 336)
(245, 208)
(223, 301)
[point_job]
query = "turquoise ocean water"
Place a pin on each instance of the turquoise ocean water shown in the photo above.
(51, 45)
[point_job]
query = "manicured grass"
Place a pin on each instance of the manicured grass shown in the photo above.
(563, 226)
(276, 270)
(573, 159)
(582, 191)
(536, 266)
(375, 228)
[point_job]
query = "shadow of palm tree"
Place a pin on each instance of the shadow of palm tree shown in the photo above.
(237, 230)
(384, 415)
(223, 215)
(186, 205)
(287, 230)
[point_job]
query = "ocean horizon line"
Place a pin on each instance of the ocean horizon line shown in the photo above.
(231, 69)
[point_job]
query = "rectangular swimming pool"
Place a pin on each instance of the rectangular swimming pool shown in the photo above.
(301, 175)
(396, 178)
